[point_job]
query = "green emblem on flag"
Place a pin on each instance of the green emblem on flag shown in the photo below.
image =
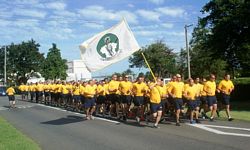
(108, 46)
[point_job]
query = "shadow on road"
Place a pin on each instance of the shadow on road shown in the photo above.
(62, 121)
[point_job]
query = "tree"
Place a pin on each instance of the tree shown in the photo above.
(21, 59)
(159, 56)
(182, 63)
(203, 62)
(54, 66)
(229, 40)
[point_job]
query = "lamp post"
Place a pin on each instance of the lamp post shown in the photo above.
(187, 49)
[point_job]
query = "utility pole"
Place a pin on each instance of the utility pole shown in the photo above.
(187, 49)
(5, 64)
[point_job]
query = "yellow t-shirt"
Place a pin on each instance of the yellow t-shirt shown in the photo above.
(21, 88)
(106, 87)
(125, 87)
(210, 88)
(176, 89)
(39, 87)
(113, 85)
(199, 88)
(226, 86)
(10, 91)
(191, 92)
(76, 90)
(90, 91)
(46, 87)
(64, 89)
(58, 87)
(32, 88)
(203, 93)
(139, 89)
(155, 94)
(100, 90)
(82, 89)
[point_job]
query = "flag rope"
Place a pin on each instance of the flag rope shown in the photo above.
(148, 66)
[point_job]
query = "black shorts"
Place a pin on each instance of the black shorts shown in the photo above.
(11, 97)
(198, 102)
(89, 102)
(126, 99)
(101, 99)
(114, 98)
(77, 98)
(203, 100)
(139, 100)
(192, 104)
(155, 107)
(211, 100)
(46, 94)
(178, 103)
(82, 99)
(225, 99)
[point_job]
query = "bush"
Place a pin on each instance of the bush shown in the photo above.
(242, 87)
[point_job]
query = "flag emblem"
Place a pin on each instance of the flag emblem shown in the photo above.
(108, 46)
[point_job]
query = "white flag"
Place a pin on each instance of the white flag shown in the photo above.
(108, 47)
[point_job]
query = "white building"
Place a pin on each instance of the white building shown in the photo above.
(77, 71)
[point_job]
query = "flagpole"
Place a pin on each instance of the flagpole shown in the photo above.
(148, 66)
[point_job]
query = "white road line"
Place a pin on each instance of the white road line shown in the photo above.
(3, 108)
(79, 114)
(226, 127)
(206, 127)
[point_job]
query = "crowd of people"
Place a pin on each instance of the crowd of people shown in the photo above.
(122, 98)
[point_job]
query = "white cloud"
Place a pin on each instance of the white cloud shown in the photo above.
(157, 2)
(168, 25)
(93, 25)
(56, 5)
(149, 27)
(4, 23)
(24, 2)
(149, 15)
(131, 5)
(130, 17)
(29, 13)
(172, 11)
(26, 23)
(99, 13)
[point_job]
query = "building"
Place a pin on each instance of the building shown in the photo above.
(77, 71)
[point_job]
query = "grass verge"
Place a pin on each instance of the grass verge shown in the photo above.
(12, 139)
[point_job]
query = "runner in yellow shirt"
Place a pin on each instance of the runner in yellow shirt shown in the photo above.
(11, 95)
(76, 91)
(101, 98)
(176, 91)
(64, 94)
(21, 88)
(139, 90)
(191, 94)
(225, 87)
(113, 88)
(90, 104)
(156, 93)
(125, 89)
(210, 89)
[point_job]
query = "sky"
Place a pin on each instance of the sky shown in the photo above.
(68, 23)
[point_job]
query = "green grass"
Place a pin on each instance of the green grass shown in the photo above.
(12, 139)
(237, 115)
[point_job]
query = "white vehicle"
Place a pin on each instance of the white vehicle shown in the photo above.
(35, 80)
(166, 80)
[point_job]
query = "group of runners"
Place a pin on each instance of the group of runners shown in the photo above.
(140, 99)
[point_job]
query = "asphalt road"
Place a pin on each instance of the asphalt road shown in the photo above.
(55, 129)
